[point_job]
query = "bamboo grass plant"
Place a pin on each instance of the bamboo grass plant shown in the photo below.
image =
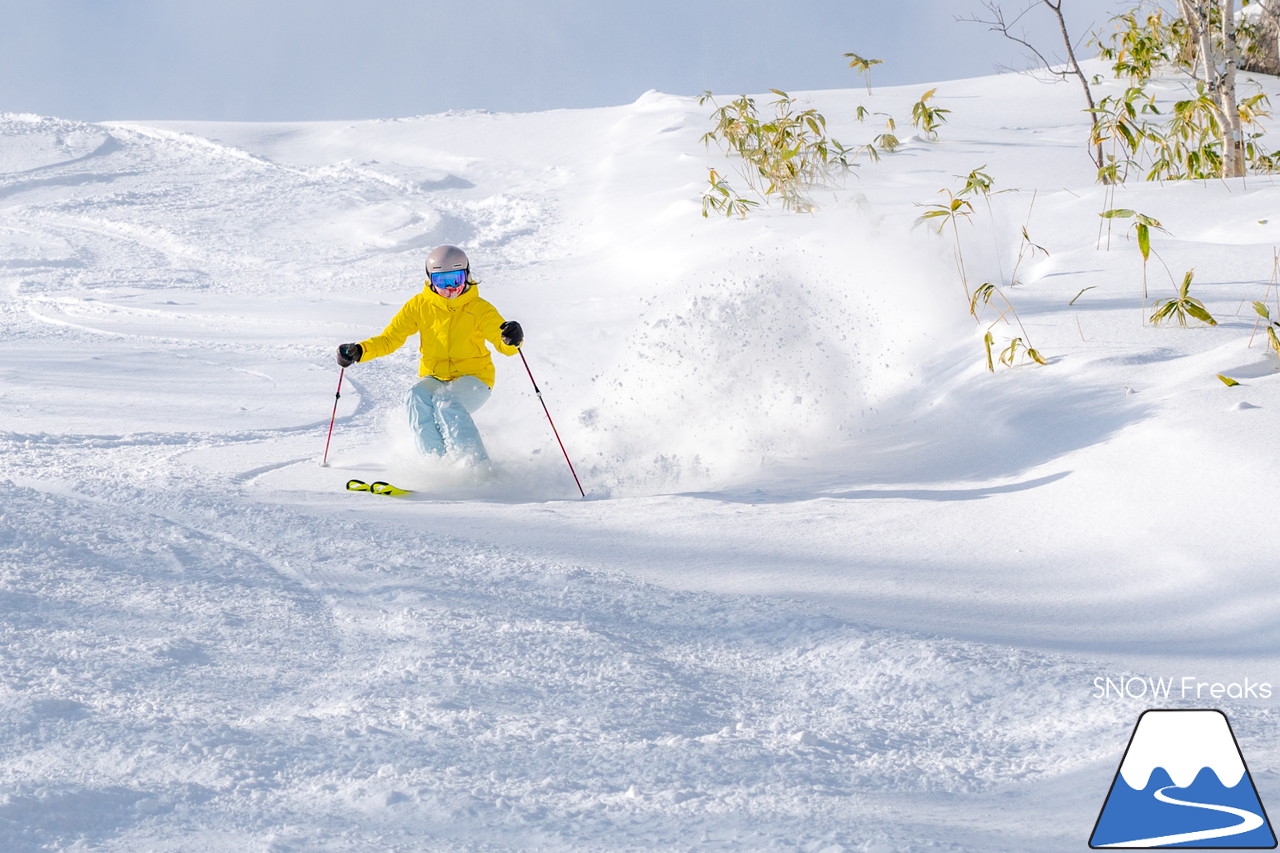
(956, 208)
(785, 156)
(1272, 325)
(928, 118)
(863, 66)
(1020, 344)
(1183, 306)
(1142, 226)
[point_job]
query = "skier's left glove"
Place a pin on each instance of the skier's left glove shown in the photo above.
(349, 354)
(512, 334)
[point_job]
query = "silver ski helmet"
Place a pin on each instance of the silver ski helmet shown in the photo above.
(448, 271)
(445, 258)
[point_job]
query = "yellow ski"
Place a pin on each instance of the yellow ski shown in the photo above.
(378, 488)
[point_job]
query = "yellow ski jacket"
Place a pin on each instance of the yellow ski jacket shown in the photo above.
(452, 335)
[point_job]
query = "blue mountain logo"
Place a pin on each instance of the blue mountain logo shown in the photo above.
(1183, 783)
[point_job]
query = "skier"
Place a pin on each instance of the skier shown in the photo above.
(456, 370)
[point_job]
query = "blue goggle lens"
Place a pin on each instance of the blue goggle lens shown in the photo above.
(448, 280)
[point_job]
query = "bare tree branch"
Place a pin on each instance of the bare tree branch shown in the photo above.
(998, 23)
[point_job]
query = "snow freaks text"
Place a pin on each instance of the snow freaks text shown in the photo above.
(1186, 687)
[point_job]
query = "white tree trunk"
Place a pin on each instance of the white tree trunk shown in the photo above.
(1233, 135)
(1219, 63)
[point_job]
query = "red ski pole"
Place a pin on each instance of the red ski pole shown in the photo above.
(554, 431)
(336, 397)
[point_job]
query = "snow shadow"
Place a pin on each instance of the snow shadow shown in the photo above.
(989, 430)
(759, 496)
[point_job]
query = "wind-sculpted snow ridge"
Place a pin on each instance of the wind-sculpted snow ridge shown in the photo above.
(35, 143)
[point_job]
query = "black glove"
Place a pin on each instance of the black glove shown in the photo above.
(349, 354)
(512, 334)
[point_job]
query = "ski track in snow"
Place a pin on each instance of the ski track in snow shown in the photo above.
(260, 676)
(814, 603)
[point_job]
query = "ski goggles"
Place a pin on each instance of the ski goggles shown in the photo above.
(449, 283)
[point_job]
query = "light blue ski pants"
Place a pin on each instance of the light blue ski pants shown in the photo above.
(440, 416)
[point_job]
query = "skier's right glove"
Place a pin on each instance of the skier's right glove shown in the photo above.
(349, 354)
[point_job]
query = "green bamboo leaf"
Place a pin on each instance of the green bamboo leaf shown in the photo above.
(1198, 311)
(984, 294)
(1118, 213)
(1185, 288)
(1144, 241)
(1162, 313)
(987, 341)
(1010, 352)
(1129, 138)
(1262, 310)
(1228, 381)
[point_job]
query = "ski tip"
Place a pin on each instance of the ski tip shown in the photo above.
(378, 488)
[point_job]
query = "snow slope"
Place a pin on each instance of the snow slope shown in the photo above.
(835, 586)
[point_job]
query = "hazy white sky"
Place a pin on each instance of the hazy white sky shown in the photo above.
(258, 60)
